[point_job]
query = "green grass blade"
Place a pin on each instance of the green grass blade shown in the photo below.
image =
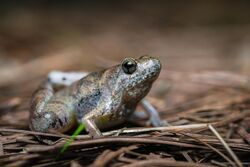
(80, 128)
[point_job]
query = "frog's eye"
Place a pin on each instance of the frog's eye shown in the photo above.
(129, 66)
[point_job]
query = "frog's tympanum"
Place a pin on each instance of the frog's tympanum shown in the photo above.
(99, 100)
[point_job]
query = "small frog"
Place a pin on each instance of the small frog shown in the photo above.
(99, 100)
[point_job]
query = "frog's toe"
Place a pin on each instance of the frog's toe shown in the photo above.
(158, 123)
(95, 135)
(164, 123)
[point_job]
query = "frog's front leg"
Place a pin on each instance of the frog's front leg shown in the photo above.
(91, 127)
(87, 114)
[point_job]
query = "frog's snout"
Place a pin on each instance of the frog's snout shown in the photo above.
(156, 65)
(150, 63)
(150, 67)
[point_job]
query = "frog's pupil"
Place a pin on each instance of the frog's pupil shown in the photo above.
(129, 66)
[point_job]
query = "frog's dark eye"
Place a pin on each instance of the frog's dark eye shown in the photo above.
(129, 66)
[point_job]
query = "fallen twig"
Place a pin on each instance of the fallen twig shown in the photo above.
(166, 163)
(236, 159)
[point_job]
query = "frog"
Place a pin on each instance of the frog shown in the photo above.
(99, 100)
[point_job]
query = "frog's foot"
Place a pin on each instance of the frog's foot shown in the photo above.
(154, 118)
(159, 123)
(65, 78)
(91, 127)
(151, 121)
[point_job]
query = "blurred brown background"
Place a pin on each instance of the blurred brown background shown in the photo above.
(186, 35)
(39, 36)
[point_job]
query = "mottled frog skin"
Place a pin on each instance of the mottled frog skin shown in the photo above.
(99, 100)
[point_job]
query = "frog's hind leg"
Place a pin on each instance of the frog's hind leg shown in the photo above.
(49, 114)
(65, 78)
(39, 100)
(154, 117)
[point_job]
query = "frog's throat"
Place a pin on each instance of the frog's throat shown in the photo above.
(80, 128)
